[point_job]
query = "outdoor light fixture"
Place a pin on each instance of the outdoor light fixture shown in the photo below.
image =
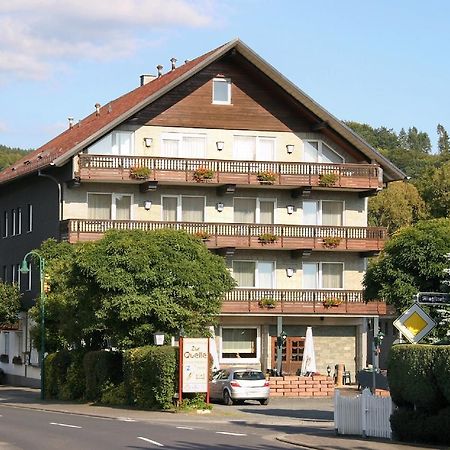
(219, 206)
(158, 338)
(147, 204)
(290, 271)
(290, 209)
(148, 141)
(290, 148)
(329, 371)
(220, 145)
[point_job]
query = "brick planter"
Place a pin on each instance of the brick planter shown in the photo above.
(294, 386)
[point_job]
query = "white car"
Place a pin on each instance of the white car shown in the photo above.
(238, 385)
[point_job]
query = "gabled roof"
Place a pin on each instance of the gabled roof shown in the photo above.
(57, 151)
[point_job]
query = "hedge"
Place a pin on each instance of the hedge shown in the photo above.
(102, 369)
(150, 376)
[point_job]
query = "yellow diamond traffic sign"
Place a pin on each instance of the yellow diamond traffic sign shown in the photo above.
(414, 324)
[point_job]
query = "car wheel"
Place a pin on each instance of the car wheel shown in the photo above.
(227, 398)
(264, 401)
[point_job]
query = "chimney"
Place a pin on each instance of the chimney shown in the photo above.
(159, 67)
(147, 78)
(70, 119)
(97, 109)
(173, 61)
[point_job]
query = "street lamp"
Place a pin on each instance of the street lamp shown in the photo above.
(24, 268)
(376, 347)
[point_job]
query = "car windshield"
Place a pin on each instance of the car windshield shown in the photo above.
(248, 375)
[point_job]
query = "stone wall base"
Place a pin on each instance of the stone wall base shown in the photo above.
(294, 386)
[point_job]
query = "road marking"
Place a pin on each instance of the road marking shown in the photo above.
(230, 434)
(65, 425)
(185, 428)
(125, 419)
(149, 440)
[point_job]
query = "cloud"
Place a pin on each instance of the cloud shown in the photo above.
(38, 37)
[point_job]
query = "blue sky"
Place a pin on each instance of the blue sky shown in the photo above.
(383, 62)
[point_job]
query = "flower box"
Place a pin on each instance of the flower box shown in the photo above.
(266, 177)
(331, 241)
(203, 174)
(267, 238)
(140, 172)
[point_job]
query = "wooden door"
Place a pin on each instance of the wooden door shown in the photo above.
(292, 354)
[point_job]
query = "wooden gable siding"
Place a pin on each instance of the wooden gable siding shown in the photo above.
(257, 103)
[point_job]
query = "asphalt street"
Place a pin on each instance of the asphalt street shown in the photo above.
(35, 430)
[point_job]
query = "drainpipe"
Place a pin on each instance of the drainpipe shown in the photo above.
(60, 193)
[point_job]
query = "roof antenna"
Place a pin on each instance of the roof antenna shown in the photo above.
(159, 67)
(70, 119)
(173, 61)
(97, 109)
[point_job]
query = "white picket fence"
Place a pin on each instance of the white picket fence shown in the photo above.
(365, 414)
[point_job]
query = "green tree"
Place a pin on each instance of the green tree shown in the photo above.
(443, 141)
(382, 138)
(9, 303)
(9, 155)
(413, 260)
(434, 185)
(400, 204)
(130, 284)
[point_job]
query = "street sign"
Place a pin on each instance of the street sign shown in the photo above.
(433, 298)
(414, 324)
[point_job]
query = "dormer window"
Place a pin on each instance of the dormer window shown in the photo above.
(221, 94)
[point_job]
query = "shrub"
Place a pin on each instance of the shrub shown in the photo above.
(56, 366)
(150, 376)
(328, 179)
(114, 395)
(102, 368)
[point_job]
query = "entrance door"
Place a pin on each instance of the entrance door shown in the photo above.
(292, 354)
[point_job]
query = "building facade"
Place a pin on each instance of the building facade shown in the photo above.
(228, 149)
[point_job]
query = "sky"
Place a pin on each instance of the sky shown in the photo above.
(381, 62)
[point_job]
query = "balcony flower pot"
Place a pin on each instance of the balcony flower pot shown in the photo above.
(17, 360)
(203, 235)
(267, 238)
(140, 173)
(331, 241)
(202, 174)
(331, 301)
(266, 177)
(328, 179)
(267, 302)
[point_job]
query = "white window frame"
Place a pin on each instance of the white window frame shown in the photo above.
(258, 209)
(320, 151)
(222, 80)
(13, 222)
(174, 136)
(6, 342)
(319, 278)
(241, 360)
(13, 273)
(255, 261)
(179, 211)
(109, 137)
(114, 196)
(30, 218)
(257, 143)
(319, 211)
(19, 220)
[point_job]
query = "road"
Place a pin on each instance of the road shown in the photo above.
(29, 429)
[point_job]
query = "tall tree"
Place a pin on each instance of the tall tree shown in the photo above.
(9, 155)
(434, 185)
(418, 141)
(9, 303)
(443, 141)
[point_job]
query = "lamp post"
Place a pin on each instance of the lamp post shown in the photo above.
(24, 268)
(376, 347)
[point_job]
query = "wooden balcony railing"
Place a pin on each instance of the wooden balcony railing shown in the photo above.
(240, 235)
(301, 301)
(181, 170)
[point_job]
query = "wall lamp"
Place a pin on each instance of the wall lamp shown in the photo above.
(220, 145)
(148, 141)
(158, 338)
(290, 272)
(147, 204)
(290, 148)
(290, 209)
(220, 206)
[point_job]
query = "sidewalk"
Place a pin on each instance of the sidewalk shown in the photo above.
(308, 434)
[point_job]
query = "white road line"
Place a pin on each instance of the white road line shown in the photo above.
(149, 440)
(125, 419)
(185, 428)
(64, 425)
(230, 434)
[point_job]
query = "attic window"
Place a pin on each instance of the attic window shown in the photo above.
(221, 94)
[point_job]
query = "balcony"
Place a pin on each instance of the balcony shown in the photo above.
(242, 236)
(300, 301)
(111, 168)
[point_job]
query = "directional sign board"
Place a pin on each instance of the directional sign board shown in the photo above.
(433, 298)
(414, 324)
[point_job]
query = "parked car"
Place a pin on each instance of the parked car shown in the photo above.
(238, 385)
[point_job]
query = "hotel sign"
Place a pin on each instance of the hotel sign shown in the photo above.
(195, 364)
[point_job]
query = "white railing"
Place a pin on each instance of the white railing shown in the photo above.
(365, 415)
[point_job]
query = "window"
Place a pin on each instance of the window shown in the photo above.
(13, 222)
(254, 274)
(239, 343)
(109, 206)
(318, 151)
(6, 343)
(19, 220)
(254, 210)
(254, 148)
(323, 275)
(5, 224)
(115, 143)
(178, 145)
(183, 208)
(30, 218)
(323, 212)
(13, 273)
(221, 91)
